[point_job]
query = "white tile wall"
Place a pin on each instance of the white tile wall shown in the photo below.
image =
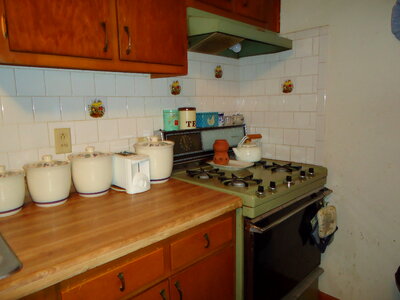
(35, 101)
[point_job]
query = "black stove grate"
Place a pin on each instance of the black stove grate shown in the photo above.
(203, 173)
(237, 181)
(285, 168)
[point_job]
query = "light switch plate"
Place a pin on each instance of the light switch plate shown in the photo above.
(62, 140)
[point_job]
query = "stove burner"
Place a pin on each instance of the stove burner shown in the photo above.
(260, 163)
(239, 181)
(204, 174)
(286, 168)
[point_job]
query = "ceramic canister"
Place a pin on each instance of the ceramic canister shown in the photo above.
(187, 117)
(12, 191)
(49, 181)
(91, 172)
(171, 119)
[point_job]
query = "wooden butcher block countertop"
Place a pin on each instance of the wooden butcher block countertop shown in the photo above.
(60, 242)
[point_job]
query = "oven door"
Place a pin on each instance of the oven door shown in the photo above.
(279, 251)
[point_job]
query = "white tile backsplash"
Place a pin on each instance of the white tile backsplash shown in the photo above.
(17, 110)
(46, 109)
(104, 84)
(82, 83)
(30, 82)
(34, 101)
(34, 135)
(86, 132)
(58, 83)
(7, 82)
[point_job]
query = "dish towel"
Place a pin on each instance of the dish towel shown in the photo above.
(324, 227)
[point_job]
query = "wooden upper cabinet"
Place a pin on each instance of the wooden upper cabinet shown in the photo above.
(222, 4)
(262, 13)
(152, 31)
(254, 9)
(61, 27)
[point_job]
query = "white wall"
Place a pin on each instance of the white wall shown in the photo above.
(362, 142)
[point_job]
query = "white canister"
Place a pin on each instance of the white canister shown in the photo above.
(161, 158)
(49, 181)
(91, 172)
(187, 118)
(12, 191)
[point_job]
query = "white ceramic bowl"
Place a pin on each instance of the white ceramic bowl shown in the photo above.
(49, 181)
(91, 172)
(12, 191)
(161, 158)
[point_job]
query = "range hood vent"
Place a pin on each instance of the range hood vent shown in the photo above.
(212, 34)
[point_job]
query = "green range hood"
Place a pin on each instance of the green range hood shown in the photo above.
(212, 34)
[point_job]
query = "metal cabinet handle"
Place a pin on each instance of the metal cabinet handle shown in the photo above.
(4, 26)
(207, 238)
(178, 287)
(122, 279)
(128, 49)
(104, 25)
(163, 294)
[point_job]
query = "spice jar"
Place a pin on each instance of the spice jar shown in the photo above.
(187, 117)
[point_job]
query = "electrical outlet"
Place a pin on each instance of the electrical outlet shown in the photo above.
(62, 140)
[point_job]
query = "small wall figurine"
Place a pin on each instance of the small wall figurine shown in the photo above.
(96, 109)
(287, 87)
(175, 88)
(218, 72)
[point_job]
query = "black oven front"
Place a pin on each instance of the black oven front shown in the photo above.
(279, 251)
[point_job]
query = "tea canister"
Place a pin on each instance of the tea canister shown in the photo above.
(171, 119)
(187, 117)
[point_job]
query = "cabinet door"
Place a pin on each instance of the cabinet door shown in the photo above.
(152, 31)
(158, 292)
(63, 27)
(223, 4)
(254, 9)
(211, 279)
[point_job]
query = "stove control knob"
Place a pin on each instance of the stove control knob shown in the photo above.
(260, 191)
(302, 175)
(288, 179)
(272, 186)
(311, 172)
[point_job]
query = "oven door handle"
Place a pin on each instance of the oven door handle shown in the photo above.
(254, 228)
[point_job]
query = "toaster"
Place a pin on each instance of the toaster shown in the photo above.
(131, 172)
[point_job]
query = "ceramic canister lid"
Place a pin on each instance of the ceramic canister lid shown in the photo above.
(4, 173)
(154, 142)
(46, 162)
(89, 153)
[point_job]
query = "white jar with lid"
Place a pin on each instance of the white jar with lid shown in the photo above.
(91, 172)
(49, 181)
(187, 118)
(161, 158)
(12, 191)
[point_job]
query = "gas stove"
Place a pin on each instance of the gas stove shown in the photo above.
(265, 186)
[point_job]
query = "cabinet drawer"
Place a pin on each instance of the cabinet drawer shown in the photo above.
(200, 243)
(157, 292)
(120, 280)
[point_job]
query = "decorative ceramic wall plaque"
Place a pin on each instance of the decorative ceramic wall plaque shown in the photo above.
(287, 87)
(96, 109)
(175, 88)
(218, 72)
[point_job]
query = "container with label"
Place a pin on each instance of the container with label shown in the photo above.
(171, 119)
(187, 117)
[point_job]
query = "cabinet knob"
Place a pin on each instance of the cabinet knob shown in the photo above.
(207, 238)
(122, 279)
(4, 26)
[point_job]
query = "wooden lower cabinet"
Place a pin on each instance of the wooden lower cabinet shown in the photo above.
(210, 279)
